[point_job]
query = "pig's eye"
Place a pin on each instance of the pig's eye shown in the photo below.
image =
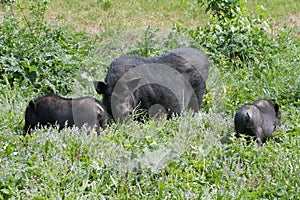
(127, 94)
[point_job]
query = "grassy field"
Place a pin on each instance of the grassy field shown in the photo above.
(190, 157)
(105, 17)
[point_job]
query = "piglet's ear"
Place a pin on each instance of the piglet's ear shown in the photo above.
(132, 84)
(32, 105)
(100, 86)
(276, 106)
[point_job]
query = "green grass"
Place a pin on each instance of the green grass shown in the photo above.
(281, 13)
(103, 17)
(107, 17)
(279, 10)
(191, 157)
(74, 164)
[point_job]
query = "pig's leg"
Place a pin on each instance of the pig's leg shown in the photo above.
(260, 137)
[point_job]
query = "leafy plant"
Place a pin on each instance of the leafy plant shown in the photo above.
(231, 31)
(32, 52)
(106, 4)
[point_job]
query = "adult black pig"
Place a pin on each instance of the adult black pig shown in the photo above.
(258, 119)
(52, 109)
(174, 81)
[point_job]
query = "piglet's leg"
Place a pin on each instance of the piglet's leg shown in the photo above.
(260, 137)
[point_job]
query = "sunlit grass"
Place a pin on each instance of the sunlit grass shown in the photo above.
(105, 17)
(102, 17)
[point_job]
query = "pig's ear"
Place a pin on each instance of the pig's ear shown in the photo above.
(277, 111)
(32, 105)
(132, 84)
(100, 86)
(276, 106)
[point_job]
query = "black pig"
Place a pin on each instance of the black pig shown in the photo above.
(52, 109)
(258, 119)
(172, 82)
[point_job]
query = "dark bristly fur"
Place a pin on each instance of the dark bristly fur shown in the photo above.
(190, 63)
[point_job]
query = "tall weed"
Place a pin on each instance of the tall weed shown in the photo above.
(35, 53)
